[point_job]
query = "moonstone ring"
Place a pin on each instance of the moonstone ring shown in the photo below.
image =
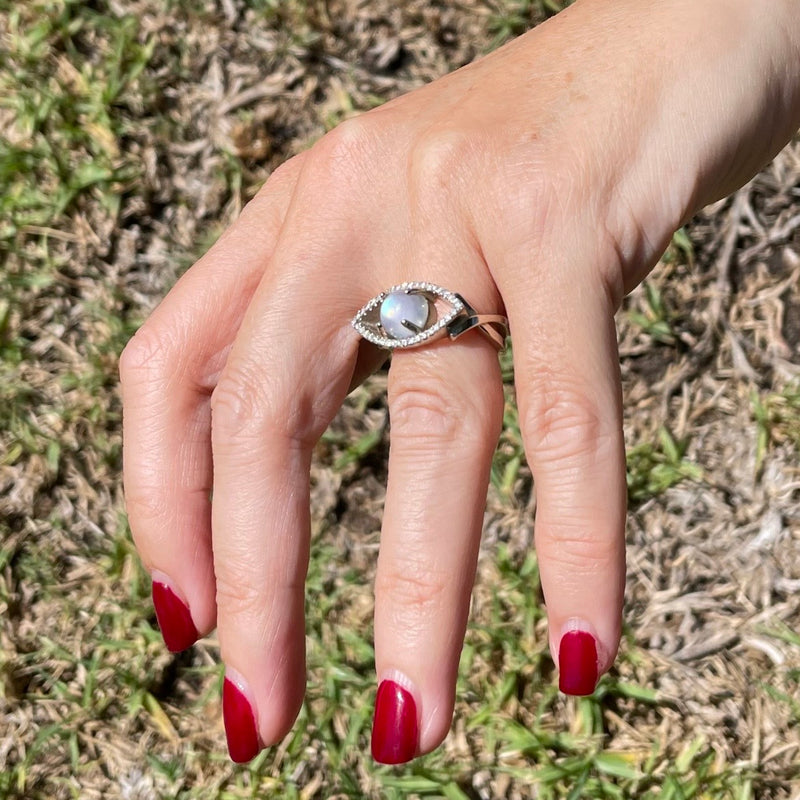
(416, 313)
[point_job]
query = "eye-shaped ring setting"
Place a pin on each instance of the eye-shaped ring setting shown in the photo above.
(416, 313)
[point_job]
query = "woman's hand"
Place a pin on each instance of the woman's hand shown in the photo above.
(544, 179)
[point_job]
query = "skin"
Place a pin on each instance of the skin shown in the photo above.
(545, 179)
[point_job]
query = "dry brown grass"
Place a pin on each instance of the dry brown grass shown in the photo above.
(704, 701)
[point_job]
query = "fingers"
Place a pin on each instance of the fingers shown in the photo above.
(282, 384)
(446, 406)
(286, 376)
(168, 371)
(568, 390)
(273, 402)
(446, 410)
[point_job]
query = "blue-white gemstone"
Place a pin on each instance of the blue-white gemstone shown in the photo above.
(404, 314)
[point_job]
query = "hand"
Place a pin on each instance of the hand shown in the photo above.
(544, 179)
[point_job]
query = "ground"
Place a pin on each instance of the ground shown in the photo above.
(131, 133)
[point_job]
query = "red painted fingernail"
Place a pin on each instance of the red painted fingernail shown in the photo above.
(240, 724)
(577, 663)
(174, 618)
(394, 729)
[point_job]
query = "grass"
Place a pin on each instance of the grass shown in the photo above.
(655, 319)
(67, 120)
(777, 417)
(653, 467)
(91, 703)
(513, 17)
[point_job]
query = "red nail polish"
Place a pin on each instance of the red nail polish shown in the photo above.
(240, 724)
(577, 663)
(173, 618)
(394, 729)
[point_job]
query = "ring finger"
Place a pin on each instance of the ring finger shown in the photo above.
(446, 406)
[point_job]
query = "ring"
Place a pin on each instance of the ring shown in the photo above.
(415, 313)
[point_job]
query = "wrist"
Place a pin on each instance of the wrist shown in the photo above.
(690, 100)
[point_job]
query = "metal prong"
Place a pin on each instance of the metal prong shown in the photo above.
(411, 326)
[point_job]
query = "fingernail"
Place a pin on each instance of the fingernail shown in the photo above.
(240, 721)
(174, 618)
(394, 729)
(577, 663)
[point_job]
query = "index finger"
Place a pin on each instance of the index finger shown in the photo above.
(168, 371)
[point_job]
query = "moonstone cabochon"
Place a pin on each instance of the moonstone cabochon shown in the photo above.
(366, 322)
(400, 307)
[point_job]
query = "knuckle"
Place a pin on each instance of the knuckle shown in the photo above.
(427, 411)
(561, 419)
(246, 406)
(440, 155)
(575, 547)
(531, 201)
(147, 353)
(263, 213)
(238, 405)
(420, 413)
(147, 506)
(340, 152)
(285, 173)
(413, 588)
(281, 179)
(236, 596)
